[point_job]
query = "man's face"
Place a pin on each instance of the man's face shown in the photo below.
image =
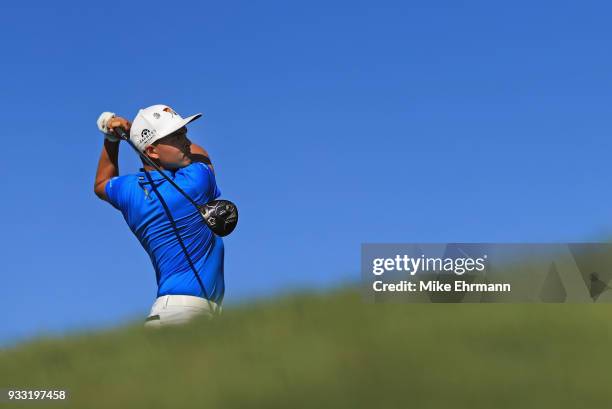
(172, 151)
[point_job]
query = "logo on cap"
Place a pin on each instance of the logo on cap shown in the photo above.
(156, 115)
(170, 111)
(146, 135)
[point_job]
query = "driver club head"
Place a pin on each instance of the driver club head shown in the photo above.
(221, 216)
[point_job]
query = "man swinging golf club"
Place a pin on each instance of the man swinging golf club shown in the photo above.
(170, 207)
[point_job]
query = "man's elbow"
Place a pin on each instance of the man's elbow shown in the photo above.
(198, 157)
(100, 190)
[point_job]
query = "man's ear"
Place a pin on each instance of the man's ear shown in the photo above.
(151, 151)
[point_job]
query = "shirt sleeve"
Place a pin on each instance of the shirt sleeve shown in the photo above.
(113, 192)
(203, 176)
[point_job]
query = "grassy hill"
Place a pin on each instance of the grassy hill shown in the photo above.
(335, 351)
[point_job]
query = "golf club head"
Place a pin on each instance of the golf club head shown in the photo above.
(221, 216)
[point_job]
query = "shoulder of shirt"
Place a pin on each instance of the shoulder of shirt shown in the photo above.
(130, 177)
(194, 166)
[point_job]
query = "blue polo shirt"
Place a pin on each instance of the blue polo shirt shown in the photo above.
(149, 217)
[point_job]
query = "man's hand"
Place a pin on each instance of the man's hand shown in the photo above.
(107, 121)
(117, 122)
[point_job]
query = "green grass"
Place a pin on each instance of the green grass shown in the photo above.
(335, 351)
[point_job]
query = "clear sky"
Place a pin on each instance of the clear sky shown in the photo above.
(330, 124)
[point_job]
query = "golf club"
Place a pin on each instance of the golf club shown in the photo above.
(221, 216)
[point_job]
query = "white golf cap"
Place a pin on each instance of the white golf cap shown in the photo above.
(154, 123)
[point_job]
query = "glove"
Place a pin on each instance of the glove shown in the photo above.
(102, 126)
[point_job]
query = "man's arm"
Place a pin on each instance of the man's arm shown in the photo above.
(108, 164)
(108, 167)
(199, 154)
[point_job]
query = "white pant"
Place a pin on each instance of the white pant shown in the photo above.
(179, 309)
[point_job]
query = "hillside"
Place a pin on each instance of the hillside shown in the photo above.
(334, 351)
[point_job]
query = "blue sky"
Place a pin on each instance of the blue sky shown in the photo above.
(330, 124)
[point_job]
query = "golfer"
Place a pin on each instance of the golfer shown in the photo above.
(187, 257)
